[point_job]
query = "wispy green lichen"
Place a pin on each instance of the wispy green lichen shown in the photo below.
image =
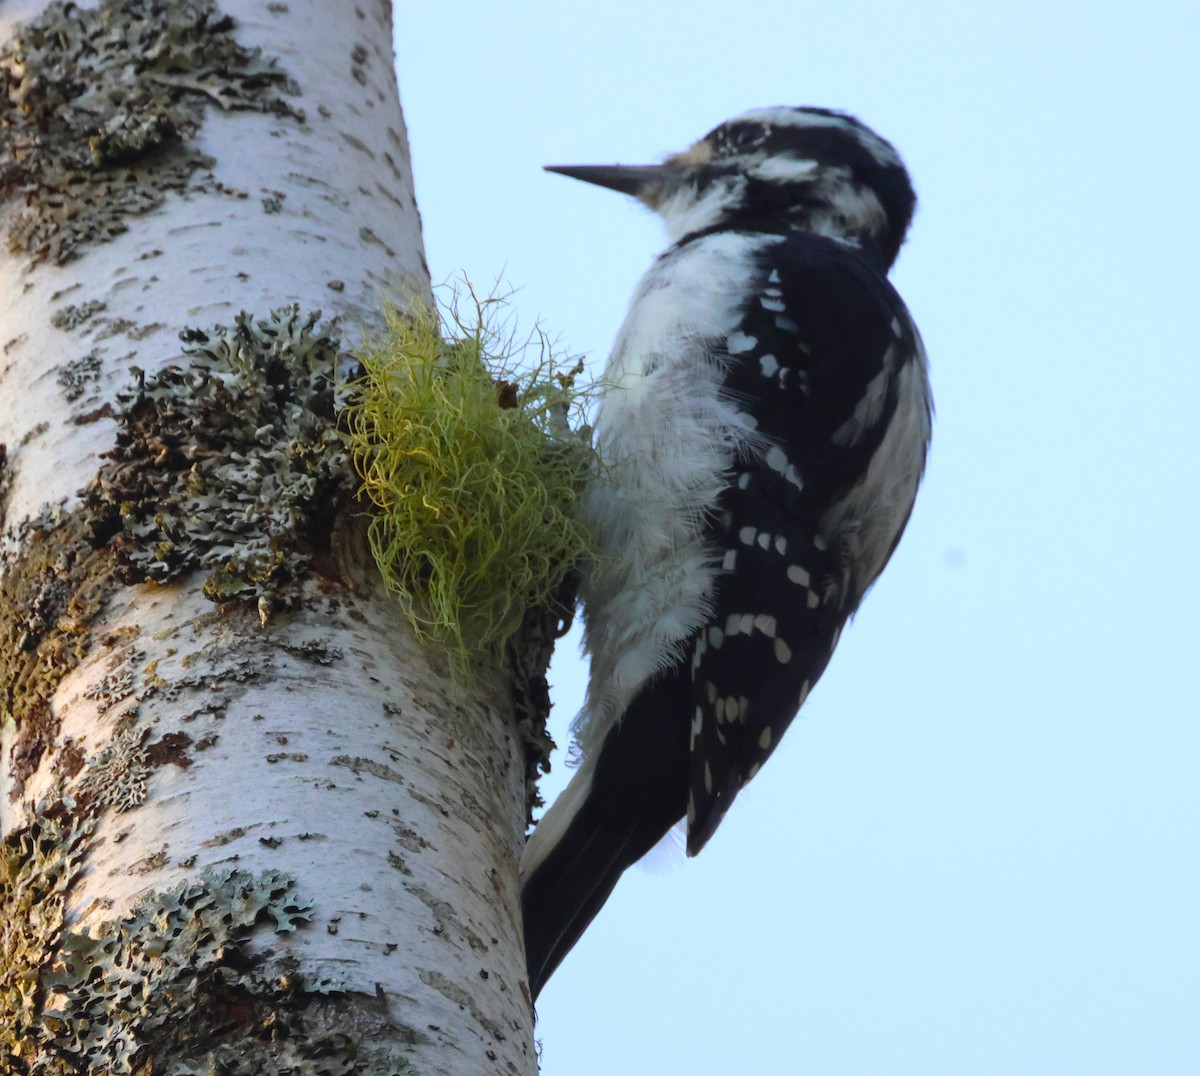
(102, 108)
(231, 462)
(467, 452)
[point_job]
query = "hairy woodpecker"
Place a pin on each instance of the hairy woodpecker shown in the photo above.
(765, 421)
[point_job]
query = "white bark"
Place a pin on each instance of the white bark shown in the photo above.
(322, 743)
(345, 170)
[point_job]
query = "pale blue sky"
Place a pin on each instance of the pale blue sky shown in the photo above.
(976, 850)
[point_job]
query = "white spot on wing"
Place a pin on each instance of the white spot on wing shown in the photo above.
(739, 624)
(739, 343)
(798, 575)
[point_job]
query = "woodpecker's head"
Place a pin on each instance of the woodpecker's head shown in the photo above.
(772, 169)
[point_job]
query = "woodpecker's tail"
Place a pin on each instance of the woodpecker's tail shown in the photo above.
(616, 808)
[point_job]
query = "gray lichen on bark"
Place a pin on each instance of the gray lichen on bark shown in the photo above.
(100, 110)
(230, 461)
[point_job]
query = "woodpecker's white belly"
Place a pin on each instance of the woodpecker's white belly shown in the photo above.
(668, 438)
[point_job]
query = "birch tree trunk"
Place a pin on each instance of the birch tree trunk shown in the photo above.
(249, 825)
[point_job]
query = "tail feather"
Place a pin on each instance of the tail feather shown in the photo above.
(617, 807)
(560, 901)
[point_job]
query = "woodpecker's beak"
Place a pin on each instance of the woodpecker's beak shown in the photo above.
(635, 179)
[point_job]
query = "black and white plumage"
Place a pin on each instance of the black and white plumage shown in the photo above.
(765, 421)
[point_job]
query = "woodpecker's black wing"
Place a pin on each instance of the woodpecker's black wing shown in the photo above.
(803, 530)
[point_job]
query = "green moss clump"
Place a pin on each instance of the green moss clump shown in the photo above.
(474, 457)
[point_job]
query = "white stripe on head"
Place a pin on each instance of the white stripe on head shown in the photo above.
(782, 116)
